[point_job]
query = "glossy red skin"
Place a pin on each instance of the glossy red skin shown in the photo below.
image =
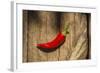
(54, 43)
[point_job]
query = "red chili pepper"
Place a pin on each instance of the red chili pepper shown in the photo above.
(60, 38)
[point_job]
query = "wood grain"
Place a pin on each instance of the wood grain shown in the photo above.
(25, 23)
(43, 26)
(43, 34)
(80, 37)
(65, 49)
(52, 30)
(32, 37)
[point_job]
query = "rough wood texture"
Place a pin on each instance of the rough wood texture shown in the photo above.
(33, 36)
(66, 48)
(52, 29)
(43, 26)
(25, 23)
(80, 40)
(43, 34)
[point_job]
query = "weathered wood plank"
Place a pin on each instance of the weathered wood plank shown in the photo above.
(81, 37)
(65, 49)
(52, 31)
(25, 22)
(43, 34)
(43, 26)
(89, 35)
(32, 37)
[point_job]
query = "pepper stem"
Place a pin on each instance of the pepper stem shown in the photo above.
(65, 31)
